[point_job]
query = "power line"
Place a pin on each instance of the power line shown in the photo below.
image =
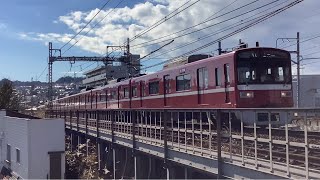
(265, 17)
(309, 39)
(159, 22)
(105, 4)
(229, 27)
(156, 50)
(93, 27)
(162, 20)
(203, 22)
(38, 77)
(166, 18)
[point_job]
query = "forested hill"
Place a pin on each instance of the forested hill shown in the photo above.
(69, 79)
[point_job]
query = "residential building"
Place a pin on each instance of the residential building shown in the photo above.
(119, 69)
(31, 148)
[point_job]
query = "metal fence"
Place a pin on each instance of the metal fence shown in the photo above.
(275, 140)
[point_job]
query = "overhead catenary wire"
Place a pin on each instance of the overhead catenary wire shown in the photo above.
(92, 27)
(155, 50)
(166, 18)
(265, 17)
(191, 27)
(38, 77)
(306, 40)
(86, 34)
(105, 4)
(229, 27)
(159, 22)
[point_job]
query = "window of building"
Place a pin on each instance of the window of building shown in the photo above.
(126, 92)
(9, 152)
(154, 87)
(134, 91)
(217, 75)
(203, 78)
(18, 155)
(183, 82)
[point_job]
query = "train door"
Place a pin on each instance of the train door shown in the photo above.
(227, 82)
(203, 83)
(96, 100)
(74, 102)
(166, 89)
(118, 99)
(142, 92)
(91, 99)
(106, 98)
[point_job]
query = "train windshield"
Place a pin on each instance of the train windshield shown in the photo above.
(264, 67)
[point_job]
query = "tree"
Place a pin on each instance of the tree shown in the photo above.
(8, 96)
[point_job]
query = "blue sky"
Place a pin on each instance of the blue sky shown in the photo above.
(27, 26)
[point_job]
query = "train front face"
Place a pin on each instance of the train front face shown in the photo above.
(264, 78)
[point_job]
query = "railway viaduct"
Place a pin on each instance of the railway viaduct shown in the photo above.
(162, 143)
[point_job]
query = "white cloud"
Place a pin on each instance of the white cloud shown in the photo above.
(129, 21)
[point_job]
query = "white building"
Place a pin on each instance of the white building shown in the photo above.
(31, 148)
(118, 69)
(309, 91)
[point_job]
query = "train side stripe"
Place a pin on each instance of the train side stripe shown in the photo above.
(185, 93)
(254, 87)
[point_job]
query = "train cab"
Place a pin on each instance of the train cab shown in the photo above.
(263, 78)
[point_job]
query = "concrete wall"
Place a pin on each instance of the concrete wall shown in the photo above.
(34, 138)
(49, 135)
(16, 135)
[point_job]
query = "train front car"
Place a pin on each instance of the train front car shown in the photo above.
(264, 80)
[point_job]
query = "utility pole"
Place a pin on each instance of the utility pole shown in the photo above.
(219, 48)
(129, 59)
(297, 63)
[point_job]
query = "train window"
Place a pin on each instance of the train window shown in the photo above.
(102, 97)
(134, 91)
(217, 75)
(279, 74)
(183, 82)
(126, 92)
(203, 81)
(227, 73)
(154, 87)
(113, 95)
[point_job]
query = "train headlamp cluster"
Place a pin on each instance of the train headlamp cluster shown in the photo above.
(286, 94)
(245, 94)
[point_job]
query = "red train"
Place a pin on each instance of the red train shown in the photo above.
(245, 78)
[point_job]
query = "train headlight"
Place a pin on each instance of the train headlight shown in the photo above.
(246, 94)
(286, 94)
